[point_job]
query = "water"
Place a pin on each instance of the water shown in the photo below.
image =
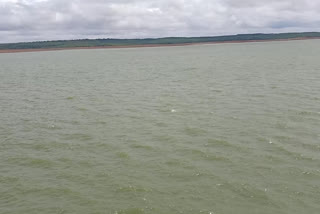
(230, 128)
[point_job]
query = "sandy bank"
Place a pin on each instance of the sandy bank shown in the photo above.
(148, 45)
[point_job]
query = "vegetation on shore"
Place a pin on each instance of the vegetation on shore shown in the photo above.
(154, 41)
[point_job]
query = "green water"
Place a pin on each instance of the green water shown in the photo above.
(220, 129)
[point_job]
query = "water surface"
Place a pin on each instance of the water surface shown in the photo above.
(230, 128)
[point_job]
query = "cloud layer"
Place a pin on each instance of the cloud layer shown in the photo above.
(30, 20)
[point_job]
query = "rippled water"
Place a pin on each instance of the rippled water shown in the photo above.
(220, 129)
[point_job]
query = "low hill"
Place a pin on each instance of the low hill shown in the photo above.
(86, 43)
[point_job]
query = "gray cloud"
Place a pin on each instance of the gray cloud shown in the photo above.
(28, 20)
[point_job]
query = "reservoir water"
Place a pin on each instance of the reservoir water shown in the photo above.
(212, 129)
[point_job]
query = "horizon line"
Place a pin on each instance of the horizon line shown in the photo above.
(155, 38)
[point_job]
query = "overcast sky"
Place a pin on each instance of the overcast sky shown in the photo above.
(30, 20)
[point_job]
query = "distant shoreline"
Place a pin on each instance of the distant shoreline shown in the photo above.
(150, 45)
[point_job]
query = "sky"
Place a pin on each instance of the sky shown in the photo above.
(34, 20)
